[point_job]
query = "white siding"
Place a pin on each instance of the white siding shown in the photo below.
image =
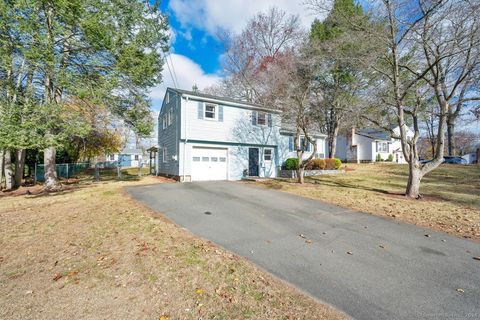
(285, 153)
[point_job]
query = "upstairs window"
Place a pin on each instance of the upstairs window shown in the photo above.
(261, 118)
(164, 122)
(210, 111)
(169, 117)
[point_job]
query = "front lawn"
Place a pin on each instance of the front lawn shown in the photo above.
(90, 252)
(450, 203)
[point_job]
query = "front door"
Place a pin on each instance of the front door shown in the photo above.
(253, 162)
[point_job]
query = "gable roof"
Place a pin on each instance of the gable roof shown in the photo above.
(223, 100)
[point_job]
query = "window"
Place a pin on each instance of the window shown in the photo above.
(165, 156)
(261, 118)
(267, 154)
(196, 159)
(136, 157)
(167, 97)
(382, 146)
(214, 159)
(112, 157)
(223, 159)
(205, 159)
(164, 121)
(210, 111)
(307, 147)
(170, 117)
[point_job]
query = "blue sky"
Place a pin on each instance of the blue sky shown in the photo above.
(195, 50)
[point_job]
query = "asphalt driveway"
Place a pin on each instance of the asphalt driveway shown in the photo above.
(366, 266)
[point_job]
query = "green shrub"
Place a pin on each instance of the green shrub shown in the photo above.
(338, 163)
(319, 164)
(390, 157)
(379, 157)
(292, 164)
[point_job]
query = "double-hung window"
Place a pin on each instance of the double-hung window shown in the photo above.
(261, 118)
(382, 146)
(165, 156)
(170, 117)
(210, 111)
(164, 121)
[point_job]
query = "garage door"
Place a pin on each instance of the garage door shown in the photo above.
(209, 164)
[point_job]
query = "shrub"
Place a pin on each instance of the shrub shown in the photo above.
(319, 164)
(310, 165)
(390, 157)
(379, 157)
(292, 164)
(333, 164)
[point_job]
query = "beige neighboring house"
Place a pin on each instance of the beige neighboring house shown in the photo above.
(365, 145)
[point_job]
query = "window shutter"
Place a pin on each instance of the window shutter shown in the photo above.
(220, 113)
(254, 118)
(200, 110)
(269, 119)
(290, 143)
(376, 144)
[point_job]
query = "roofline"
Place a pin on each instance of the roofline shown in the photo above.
(222, 100)
(290, 132)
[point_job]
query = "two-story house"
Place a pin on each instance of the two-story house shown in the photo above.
(204, 137)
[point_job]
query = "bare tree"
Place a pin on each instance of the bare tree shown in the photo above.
(266, 37)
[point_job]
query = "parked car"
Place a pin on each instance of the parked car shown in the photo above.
(449, 160)
(454, 160)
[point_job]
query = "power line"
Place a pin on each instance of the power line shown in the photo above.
(169, 70)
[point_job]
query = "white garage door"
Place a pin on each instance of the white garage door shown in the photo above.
(209, 164)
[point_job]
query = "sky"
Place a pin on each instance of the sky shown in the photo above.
(195, 50)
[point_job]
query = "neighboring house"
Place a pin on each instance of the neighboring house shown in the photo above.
(127, 158)
(365, 145)
(204, 137)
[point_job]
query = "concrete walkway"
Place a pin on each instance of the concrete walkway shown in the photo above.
(366, 266)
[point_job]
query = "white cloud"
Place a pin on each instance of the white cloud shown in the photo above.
(232, 15)
(187, 74)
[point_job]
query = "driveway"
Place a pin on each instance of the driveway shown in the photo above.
(366, 266)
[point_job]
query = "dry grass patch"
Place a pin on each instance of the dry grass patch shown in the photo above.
(93, 253)
(451, 195)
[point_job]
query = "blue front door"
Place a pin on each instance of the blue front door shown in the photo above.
(125, 160)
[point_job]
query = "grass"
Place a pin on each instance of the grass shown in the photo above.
(450, 203)
(90, 252)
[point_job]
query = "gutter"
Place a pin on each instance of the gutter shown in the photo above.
(228, 103)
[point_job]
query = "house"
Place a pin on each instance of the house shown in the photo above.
(471, 158)
(127, 158)
(368, 145)
(204, 137)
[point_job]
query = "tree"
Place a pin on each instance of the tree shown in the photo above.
(338, 45)
(249, 54)
(53, 53)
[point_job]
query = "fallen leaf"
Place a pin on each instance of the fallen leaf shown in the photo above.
(200, 291)
(476, 258)
(57, 277)
(350, 252)
(163, 318)
(302, 236)
(382, 246)
(460, 290)
(308, 241)
(427, 235)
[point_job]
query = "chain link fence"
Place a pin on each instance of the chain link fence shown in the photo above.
(64, 170)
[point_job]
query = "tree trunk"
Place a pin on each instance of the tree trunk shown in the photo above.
(51, 180)
(451, 137)
(300, 175)
(2, 153)
(19, 166)
(9, 175)
(414, 178)
(332, 143)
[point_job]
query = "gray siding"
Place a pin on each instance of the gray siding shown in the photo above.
(169, 137)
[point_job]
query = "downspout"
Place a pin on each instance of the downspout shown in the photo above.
(185, 135)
